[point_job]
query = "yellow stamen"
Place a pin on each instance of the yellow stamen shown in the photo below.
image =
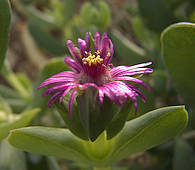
(92, 59)
(108, 54)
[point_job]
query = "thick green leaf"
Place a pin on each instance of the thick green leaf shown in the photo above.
(73, 124)
(157, 15)
(127, 50)
(178, 42)
(94, 116)
(149, 130)
(118, 120)
(49, 141)
(46, 40)
(11, 158)
(184, 156)
(4, 28)
(16, 121)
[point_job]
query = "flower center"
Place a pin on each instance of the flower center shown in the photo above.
(92, 59)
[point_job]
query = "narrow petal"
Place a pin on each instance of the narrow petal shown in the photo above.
(74, 51)
(83, 47)
(59, 87)
(54, 98)
(133, 80)
(87, 41)
(65, 92)
(116, 70)
(70, 104)
(75, 66)
(97, 41)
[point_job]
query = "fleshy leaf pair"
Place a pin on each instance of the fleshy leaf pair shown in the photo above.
(138, 135)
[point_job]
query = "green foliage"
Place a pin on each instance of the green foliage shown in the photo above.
(179, 55)
(184, 156)
(127, 50)
(157, 15)
(94, 116)
(149, 130)
(11, 158)
(60, 142)
(46, 40)
(138, 135)
(4, 28)
(16, 121)
(98, 16)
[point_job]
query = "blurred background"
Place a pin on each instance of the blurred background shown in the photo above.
(38, 35)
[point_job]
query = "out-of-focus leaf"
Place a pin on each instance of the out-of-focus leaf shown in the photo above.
(157, 15)
(127, 50)
(52, 163)
(146, 38)
(7, 93)
(60, 142)
(149, 130)
(160, 86)
(24, 80)
(11, 158)
(63, 11)
(178, 43)
(53, 67)
(46, 41)
(4, 28)
(104, 15)
(95, 16)
(88, 14)
(184, 156)
(39, 18)
(17, 121)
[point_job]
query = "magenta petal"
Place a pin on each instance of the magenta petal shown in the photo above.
(65, 92)
(87, 41)
(74, 51)
(54, 98)
(70, 104)
(97, 41)
(75, 66)
(83, 47)
(133, 80)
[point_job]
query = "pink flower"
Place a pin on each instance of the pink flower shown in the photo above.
(91, 67)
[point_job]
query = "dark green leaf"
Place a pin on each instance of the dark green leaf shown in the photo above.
(74, 124)
(184, 156)
(11, 158)
(127, 50)
(94, 116)
(157, 15)
(4, 28)
(46, 40)
(178, 42)
(118, 121)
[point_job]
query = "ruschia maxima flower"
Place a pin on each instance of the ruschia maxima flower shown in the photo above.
(91, 67)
